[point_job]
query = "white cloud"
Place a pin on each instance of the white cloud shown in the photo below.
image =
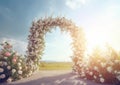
(74, 4)
(18, 45)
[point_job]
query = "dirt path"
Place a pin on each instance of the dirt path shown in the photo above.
(54, 78)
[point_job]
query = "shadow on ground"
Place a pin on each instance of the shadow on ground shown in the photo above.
(63, 79)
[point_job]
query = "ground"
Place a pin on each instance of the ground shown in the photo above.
(54, 77)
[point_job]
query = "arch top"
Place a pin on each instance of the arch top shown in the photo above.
(49, 22)
(40, 27)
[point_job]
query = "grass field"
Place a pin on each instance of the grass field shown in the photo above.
(56, 65)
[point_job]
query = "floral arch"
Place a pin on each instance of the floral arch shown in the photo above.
(39, 29)
(14, 66)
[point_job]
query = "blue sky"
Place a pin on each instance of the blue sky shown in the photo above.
(99, 18)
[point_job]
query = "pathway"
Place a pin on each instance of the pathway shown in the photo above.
(54, 78)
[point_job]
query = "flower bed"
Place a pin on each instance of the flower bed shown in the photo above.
(12, 65)
(102, 67)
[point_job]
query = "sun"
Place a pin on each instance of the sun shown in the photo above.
(94, 39)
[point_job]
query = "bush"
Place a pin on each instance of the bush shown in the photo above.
(103, 66)
(12, 65)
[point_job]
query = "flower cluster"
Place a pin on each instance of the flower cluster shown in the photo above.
(12, 65)
(103, 66)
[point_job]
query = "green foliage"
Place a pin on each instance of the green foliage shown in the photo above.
(55, 65)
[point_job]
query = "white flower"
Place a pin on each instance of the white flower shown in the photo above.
(102, 80)
(95, 77)
(111, 63)
(9, 80)
(1, 69)
(115, 71)
(109, 69)
(118, 72)
(103, 64)
(5, 58)
(13, 70)
(83, 74)
(19, 72)
(81, 82)
(95, 68)
(20, 67)
(118, 77)
(20, 60)
(5, 63)
(78, 62)
(84, 83)
(8, 67)
(0, 62)
(87, 68)
(117, 61)
(2, 76)
(91, 73)
(99, 61)
(100, 75)
(31, 72)
(19, 64)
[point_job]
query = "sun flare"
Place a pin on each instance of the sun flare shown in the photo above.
(94, 39)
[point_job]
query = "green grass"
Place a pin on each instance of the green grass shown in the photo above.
(56, 66)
